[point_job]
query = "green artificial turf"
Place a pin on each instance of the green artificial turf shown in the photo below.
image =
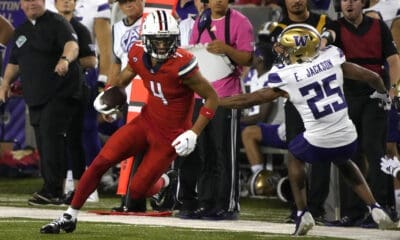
(16, 191)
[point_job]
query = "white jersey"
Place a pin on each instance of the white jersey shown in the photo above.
(389, 9)
(86, 11)
(186, 28)
(123, 38)
(316, 90)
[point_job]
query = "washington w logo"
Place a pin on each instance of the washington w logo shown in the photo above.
(301, 41)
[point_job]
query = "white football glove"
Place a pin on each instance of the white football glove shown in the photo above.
(185, 143)
(390, 166)
(385, 100)
(100, 107)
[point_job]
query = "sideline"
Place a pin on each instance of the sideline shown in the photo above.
(238, 226)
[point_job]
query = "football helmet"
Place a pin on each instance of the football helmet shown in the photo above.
(265, 31)
(301, 43)
(263, 183)
(160, 34)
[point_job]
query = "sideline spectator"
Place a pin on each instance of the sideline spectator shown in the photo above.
(87, 59)
(44, 53)
(124, 34)
(329, 133)
(95, 15)
(186, 9)
(226, 31)
(171, 76)
(391, 15)
(368, 117)
(188, 167)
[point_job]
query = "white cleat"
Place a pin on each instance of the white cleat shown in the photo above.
(381, 218)
(304, 223)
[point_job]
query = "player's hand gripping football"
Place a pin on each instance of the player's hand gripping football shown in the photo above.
(385, 100)
(390, 166)
(110, 100)
(185, 143)
(102, 107)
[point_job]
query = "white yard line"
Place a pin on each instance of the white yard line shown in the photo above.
(240, 225)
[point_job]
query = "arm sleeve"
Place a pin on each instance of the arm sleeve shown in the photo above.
(86, 46)
(389, 47)
(65, 32)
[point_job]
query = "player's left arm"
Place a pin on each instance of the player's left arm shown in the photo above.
(357, 72)
(123, 78)
(102, 29)
(202, 87)
(255, 98)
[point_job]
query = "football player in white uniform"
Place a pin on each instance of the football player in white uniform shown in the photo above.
(313, 80)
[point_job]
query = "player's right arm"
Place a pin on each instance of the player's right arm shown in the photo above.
(255, 98)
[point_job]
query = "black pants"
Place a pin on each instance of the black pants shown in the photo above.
(319, 176)
(75, 151)
(371, 124)
(215, 163)
(50, 122)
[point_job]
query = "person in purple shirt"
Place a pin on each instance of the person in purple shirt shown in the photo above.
(225, 31)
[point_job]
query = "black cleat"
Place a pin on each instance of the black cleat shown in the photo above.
(65, 222)
(166, 199)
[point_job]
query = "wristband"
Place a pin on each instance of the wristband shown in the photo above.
(102, 78)
(328, 36)
(66, 59)
(207, 112)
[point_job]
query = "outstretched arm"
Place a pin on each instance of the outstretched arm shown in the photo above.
(249, 99)
(357, 72)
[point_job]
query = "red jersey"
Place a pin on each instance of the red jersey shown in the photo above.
(169, 108)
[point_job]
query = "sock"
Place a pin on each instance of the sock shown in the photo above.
(299, 212)
(73, 212)
(257, 167)
(372, 206)
(166, 179)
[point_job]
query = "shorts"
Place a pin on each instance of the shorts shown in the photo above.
(306, 152)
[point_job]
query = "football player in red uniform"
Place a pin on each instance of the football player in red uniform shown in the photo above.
(163, 130)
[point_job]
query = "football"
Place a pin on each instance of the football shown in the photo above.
(114, 97)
